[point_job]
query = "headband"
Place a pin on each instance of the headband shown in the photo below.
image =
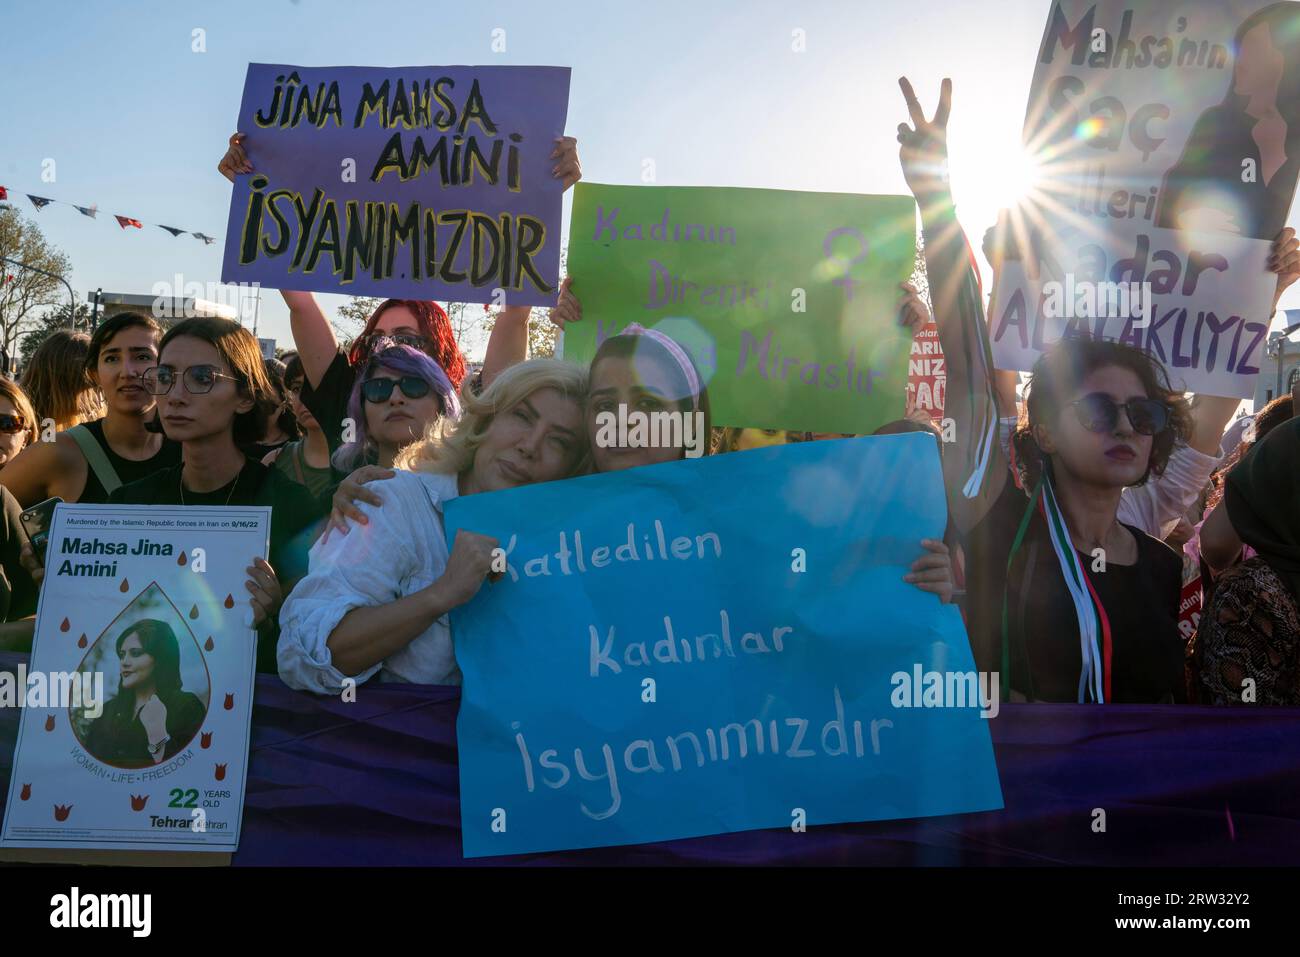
(679, 356)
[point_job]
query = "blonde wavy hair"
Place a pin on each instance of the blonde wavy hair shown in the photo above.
(448, 447)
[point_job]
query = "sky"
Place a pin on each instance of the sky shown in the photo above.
(136, 120)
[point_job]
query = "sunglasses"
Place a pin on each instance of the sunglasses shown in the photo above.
(199, 380)
(381, 390)
(12, 423)
(1098, 412)
(378, 342)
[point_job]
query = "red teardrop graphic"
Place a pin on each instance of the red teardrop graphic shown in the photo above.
(181, 559)
(49, 723)
(61, 811)
(229, 705)
(194, 611)
(209, 644)
(138, 801)
(81, 642)
(67, 624)
(230, 601)
(221, 772)
(125, 586)
(205, 739)
(27, 792)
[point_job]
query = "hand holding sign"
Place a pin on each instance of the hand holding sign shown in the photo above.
(1285, 261)
(924, 150)
(470, 562)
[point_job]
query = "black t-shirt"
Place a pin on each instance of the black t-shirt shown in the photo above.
(328, 402)
(128, 471)
(1140, 601)
(117, 737)
(296, 520)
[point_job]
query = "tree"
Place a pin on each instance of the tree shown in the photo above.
(51, 321)
(24, 291)
(543, 335)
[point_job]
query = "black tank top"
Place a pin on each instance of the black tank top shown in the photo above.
(128, 471)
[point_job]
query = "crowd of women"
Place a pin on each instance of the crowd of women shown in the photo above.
(358, 449)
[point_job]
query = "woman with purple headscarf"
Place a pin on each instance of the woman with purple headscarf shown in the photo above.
(399, 392)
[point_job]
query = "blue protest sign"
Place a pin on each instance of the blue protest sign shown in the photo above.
(410, 182)
(714, 645)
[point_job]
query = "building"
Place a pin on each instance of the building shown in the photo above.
(1280, 369)
(166, 309)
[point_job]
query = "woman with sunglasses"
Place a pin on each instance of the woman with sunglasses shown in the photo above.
(399, 395)
(422, 325)
(17, 420)
(377, 598)
(88, 461)
(1063, 599)
(214, 397)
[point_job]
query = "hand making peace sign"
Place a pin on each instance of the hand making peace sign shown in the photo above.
(924, 151)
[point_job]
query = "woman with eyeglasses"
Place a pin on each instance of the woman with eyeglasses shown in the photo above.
(214, 397)
(87, 462)
(330, 374)
(1065, 601)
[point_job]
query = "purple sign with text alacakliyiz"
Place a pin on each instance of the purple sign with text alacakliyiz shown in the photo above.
(400, 182)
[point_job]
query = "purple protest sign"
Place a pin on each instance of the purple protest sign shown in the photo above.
(403, 182)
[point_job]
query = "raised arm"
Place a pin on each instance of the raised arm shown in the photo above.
(508, 342)
(312, 334)
(975, 470)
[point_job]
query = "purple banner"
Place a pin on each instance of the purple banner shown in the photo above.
(403, 182)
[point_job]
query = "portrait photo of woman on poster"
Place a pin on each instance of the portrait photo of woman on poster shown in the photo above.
(1212, 187)
(151, 718)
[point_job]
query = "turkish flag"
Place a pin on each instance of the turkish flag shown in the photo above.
(125, 221)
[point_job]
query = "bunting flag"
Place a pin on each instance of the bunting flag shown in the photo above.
(125, 222)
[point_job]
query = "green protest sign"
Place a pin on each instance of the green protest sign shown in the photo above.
(787, 301)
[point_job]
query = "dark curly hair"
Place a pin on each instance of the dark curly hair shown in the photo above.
(1057, 375)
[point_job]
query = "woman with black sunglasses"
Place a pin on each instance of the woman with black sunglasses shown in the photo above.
(398, 395)
(1065, 601)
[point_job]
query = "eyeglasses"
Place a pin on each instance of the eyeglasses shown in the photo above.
(1098, 412)
(199, 380)
(377, 342)
(381, 390)
(12, 423)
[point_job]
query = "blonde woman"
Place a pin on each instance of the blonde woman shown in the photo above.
(375, 600)
(58, 388)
